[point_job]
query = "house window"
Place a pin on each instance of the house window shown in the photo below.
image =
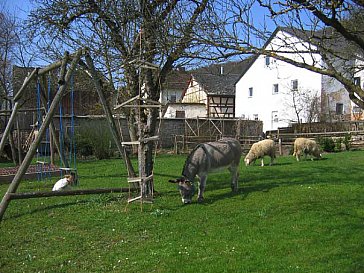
(180, 114)
(250, 92)
(275, 88)
(294, 84)
(255, 117)
(339, 108)
(267, 60)
(172, 99)
(356, 110)
(357, 81)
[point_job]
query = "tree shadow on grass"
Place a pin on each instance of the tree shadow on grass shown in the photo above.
(98, 200)
(243, 191)
(46, 208)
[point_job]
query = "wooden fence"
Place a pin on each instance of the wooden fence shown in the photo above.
(286, 140)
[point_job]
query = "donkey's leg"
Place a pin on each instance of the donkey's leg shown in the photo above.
(201, 188)
(234, 172)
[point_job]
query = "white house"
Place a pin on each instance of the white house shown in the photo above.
(269, 90)
(335, 99)
(210, 92)
(174, 86)
(185, 110)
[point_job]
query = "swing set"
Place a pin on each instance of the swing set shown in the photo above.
(67, 66)
(44, 156)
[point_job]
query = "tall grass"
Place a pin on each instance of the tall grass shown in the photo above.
(290, 217)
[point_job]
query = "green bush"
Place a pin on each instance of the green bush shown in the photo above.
(84, 146)
(327, 144)
(330, 145)
(94, 138)
(347, 141)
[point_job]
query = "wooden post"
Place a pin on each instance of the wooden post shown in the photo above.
(33, 147)
(20, 151)
(109, 116)
(238, 129)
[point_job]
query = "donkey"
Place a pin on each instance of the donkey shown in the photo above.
(205, 158)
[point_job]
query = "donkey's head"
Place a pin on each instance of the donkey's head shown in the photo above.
(186, 189)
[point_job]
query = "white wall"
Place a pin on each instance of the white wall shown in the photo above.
(191, 110)
(264, 102)
(194, 93)
(334, 92)
(167, 94)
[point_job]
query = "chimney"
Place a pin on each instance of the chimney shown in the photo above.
(221, 70)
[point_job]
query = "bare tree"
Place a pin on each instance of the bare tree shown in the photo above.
(332, 30)
(305, 105)
(335, 29)
(128, 39)
(8, 42)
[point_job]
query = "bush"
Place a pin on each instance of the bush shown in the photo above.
(347, 141)
(84, 146)
(94, 138)
(327, 144)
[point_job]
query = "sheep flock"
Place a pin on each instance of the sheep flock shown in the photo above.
(267, 147)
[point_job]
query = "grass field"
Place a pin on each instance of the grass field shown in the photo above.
(291, 217)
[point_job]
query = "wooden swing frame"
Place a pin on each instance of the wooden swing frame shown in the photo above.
(65, 75)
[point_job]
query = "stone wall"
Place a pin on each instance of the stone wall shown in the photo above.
(169, 128)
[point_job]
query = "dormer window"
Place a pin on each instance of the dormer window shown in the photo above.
(172, 99)
(357, 81)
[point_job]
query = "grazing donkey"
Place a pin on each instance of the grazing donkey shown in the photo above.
(205, 158)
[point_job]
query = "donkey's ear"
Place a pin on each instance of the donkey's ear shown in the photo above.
(173, 181)
(177, 180)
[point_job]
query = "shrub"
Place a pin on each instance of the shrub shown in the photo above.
(338, 143)
(330, 145)
(84, 146)
(327, 144)
(94, 138)
(347, 141)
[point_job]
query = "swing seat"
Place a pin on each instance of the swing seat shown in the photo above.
(42, 162)
(68, 169)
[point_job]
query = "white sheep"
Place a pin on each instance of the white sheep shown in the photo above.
(259, 150)
(307, 147)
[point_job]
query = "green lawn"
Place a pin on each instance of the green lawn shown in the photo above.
(291, 217)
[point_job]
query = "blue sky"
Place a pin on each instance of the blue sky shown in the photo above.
(19, 8)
